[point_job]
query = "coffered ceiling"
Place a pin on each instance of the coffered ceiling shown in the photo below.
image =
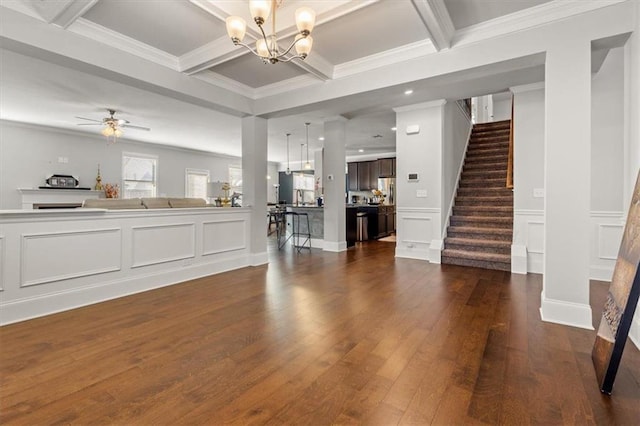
(154, 59)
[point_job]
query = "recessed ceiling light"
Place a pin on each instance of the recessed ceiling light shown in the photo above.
(321, 138)
(408, 92)
(393, 129)
(361, 150)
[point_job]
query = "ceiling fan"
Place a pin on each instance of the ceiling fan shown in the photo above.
(112, 126)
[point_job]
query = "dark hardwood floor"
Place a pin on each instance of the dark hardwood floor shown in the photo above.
(313, 339)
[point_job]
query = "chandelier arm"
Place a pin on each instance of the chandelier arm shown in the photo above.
(289, 59)
(239, 43)
(291, 47)
(266, 42)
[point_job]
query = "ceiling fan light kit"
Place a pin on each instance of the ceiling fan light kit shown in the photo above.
(267, 46)
(112, 129)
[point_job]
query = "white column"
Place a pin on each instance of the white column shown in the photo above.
(335, 238)
(419, 139)
(254, 175)
(565, 293)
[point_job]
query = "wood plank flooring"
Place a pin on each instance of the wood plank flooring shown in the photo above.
(316, 338)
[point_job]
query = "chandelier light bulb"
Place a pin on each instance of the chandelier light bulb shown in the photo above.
(305, 20)
(260, 10)
(107, 131)
(236, 28)
(261, 48)
(303, 44)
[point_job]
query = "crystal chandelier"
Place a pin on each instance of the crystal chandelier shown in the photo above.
(267, 47)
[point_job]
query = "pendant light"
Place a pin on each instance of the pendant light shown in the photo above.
(307, 165)
(301, 172)
(288, 172)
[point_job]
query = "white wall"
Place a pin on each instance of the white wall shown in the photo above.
(607, 134)
(457, 128)
(418, 204)
(607, 160)
(501, 106)
(29, 154)
(528, 174)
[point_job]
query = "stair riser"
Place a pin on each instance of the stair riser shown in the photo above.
(479, 249)
(487, 142)
(481, 149)
(500, 223)
(483, 202)
(479, 235)
(485, 146)
(487, 183)
(482, 175)
(476, 263)
(479, 211)
(487, 153)
(488, 159)
(484, 192)
(469, 167)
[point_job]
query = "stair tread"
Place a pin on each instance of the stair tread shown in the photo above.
(477, 255)
(477, 242)
(480, 230)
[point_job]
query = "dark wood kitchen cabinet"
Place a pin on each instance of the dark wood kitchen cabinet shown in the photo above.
(352, 176)
(386, 167)
(364, 182)
(373, 174)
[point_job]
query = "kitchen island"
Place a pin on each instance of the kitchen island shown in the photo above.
(380, 218)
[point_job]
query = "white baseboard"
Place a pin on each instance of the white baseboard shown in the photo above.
(258, 259)
(518, 259)
(435, 251)
(335, 246)
(412, 253)
(46, 304)
(565, 313)
(601, 273)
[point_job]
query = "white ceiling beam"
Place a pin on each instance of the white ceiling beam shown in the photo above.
(436, 19)
(72, 11)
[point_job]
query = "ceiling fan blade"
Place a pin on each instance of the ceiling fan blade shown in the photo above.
(131, 126)
(88, 124)
(89, 119)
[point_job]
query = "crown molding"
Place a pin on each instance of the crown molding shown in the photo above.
(527, 18)
(388, 57)
(209, 55)
(114, 39)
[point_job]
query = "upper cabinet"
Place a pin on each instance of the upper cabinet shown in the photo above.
(363, 175)
(387, 167)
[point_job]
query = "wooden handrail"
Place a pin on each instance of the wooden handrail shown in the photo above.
(510, 160)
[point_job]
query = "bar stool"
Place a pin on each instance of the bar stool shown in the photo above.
(296, 232)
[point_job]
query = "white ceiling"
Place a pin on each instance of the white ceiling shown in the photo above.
(114, 45)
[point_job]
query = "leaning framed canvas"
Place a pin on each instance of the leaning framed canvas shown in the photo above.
(621, 302)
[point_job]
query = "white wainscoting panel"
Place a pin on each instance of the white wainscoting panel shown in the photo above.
(2, 265)
(56, 256)
(606, 236)
(417, 228)
(223, 236)
(163, 243)
(528, 238)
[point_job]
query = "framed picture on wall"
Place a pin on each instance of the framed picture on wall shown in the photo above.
(621, 302)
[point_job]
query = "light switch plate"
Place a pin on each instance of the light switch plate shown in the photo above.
(538, 192)
(421, 193)
(413, 129)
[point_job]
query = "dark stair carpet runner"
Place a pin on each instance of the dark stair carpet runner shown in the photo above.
(481, 226)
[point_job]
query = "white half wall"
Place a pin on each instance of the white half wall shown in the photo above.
(110, 254)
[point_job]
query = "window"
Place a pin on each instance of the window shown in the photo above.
(195, 183)
(139, 175)
(235, 179)
(303, 188)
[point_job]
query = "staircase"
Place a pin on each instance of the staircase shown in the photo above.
(481, 227)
